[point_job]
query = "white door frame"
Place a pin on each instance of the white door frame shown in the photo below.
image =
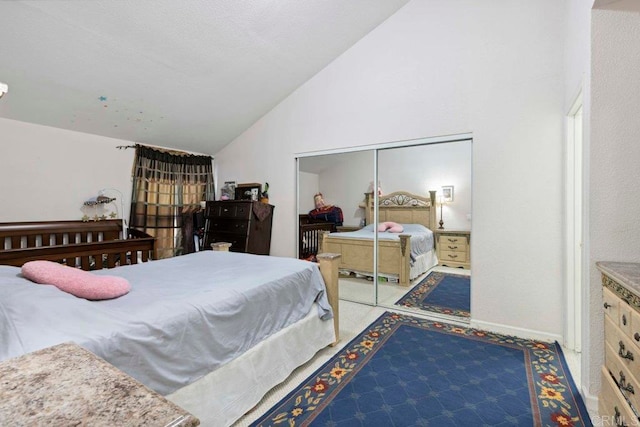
(573, 226)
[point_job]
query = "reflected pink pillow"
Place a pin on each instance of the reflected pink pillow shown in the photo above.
(391, 227)
(80, 283)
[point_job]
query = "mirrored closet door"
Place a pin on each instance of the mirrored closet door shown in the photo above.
(405, 240)
(424, 204)
(331, 197)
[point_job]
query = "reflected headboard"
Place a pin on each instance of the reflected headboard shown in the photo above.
(404, 208)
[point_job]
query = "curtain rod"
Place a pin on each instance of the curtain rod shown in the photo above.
(124, 147)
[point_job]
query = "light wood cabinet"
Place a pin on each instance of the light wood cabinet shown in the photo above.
(453, 248)
(619, 398)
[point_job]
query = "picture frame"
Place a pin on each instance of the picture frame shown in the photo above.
(447, 193)
(228, 190)
(250, 191)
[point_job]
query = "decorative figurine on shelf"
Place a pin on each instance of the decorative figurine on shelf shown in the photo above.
(265, 193)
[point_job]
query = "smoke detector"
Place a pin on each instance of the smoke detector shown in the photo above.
(4, 88)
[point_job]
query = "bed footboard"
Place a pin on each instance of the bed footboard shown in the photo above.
(394, 257)
(86, 245)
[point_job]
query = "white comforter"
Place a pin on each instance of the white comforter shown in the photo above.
(184, 317)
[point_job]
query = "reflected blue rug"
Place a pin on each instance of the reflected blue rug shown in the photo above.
(440, 293)
(405, 371)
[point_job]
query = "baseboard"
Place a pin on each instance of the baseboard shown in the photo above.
(591, 402)
(518, 332)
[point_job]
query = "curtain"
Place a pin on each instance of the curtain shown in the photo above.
(167, 189)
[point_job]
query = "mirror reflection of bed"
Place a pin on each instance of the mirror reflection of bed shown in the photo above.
(410, 182)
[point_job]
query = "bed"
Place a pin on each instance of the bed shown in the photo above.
(177, 331)
(399, 255)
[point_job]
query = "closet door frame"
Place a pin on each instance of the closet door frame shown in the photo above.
(373, 147)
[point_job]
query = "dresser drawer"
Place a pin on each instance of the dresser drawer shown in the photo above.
(627, 382)
(612, 405)
(626, 352)
(634, 333)
(460, 241)
(238, 241)
(611, 303)
(229, 210)
(223, 225)
(453, 247)
(453, 256)
(624, 318)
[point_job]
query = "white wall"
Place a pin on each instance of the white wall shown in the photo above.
(429, 167)
(614, 206)
(47, 173)
(344, 185)
(308, 184)
(440, 67)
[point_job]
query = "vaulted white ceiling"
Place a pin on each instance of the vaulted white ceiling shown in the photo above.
(190, 74)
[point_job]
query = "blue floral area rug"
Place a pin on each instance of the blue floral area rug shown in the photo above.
(441, 293)
(405, 371)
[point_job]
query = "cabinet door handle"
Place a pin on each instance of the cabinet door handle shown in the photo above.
(623, 384)
(607, 305)
(636, 336)
(624, 320)
(621, 352)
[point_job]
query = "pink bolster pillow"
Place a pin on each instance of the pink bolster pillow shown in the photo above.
(80, 283)
(391, 227)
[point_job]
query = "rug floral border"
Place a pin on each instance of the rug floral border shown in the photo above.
(547, 375)
(416, 296)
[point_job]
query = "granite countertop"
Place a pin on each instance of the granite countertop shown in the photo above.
(625, 273)
(67, 385)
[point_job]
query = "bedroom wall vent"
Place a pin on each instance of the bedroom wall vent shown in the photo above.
(4, 88)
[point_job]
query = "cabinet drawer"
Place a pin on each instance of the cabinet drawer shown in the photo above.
(624, 318)
(223, 225)
(611, 302)
(627, 382)
(612, 405)
(453, 256)
(460, 241)
(238, 241)
(622, 346)
(453, 247)
(229, 210)
(634, 333)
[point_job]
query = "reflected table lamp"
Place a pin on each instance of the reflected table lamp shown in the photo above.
(441, 199)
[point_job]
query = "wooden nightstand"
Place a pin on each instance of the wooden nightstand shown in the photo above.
(453, 248)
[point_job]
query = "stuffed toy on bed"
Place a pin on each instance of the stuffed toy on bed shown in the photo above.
(74, 281)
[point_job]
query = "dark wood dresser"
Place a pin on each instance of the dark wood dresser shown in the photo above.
(244, 224)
